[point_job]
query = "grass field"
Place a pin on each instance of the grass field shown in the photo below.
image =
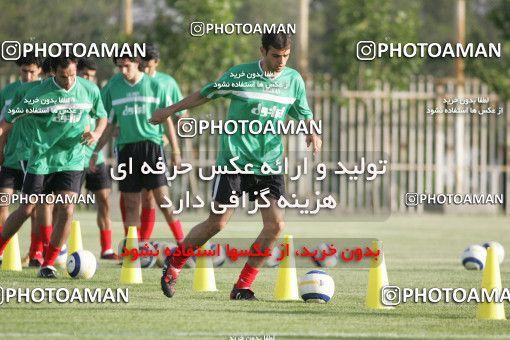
(420, 251)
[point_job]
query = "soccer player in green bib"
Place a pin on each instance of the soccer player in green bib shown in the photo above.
(11, 172)
(99, 181)
(148, 214)
(18, 152)
(59, 110)
(277, 91)
(130, 100)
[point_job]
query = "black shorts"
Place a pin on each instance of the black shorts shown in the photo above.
(57, 181)
(11, 178)
(225, 184)
(98, 180)
(139, 153)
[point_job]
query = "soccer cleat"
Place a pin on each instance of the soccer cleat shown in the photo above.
(109, 255)
(169, 278)
(35, 263)
(242, 294)
(48, 272)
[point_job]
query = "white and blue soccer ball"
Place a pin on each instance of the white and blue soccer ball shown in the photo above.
(161, 246)
(61, 259)
(147, 261)
(218, 261)
(316, 286)
(498, 248)
(328, 261)
(473, 257)
(81, 264)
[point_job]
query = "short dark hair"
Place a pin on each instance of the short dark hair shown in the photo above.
(62, 62)
(128, 56)
(87, 64)
(151, 52)
(46, 66)
(278, 41)
(29, 59)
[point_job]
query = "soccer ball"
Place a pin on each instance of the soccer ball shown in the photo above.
(473, 257)
(147, 261)
(218, 261)
(81, 264)
(161, 246)
(61, 259)
(328, 261)
(316, 286)
(500, 251)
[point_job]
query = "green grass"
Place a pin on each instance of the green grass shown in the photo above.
(420, 251)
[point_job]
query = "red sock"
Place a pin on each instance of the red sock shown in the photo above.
(106, 240)
(45, 234)
(176, 228)
(3, 244)
(178, 262)
(122, 209)
(147, 219)
(247, 276)
(1, 228)
(36, 246)
(51, 255)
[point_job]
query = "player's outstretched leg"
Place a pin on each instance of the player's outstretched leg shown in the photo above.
(198, 235)
(64, 216)
(273, 226)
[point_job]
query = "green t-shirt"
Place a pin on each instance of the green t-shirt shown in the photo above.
(170, 84)
(57, 122)
(253, 96)
(17, 148)
(131, 105)
(6, 96)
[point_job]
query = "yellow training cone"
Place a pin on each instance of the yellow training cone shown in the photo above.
(203, 278)
(377, 279)
(286, 281)
(75, 242)
(12, 257)
(131, 271)
(491, 280)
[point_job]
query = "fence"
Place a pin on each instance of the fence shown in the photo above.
(432, 153)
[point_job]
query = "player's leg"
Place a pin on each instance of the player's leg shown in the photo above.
(5, 193)
(273, 220)
(33, 184)
(175, 224)
(35, 252)
(45, 222)
(105, 224)
(132, 203)
(223, 187)
(65, 184)
(198, 235)
(61, 231)
(148, 215)
(100, 184)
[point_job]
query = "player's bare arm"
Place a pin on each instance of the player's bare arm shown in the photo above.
(172, 138)
(105, 137)
(191, 101)
(313, 139)
(90, 137)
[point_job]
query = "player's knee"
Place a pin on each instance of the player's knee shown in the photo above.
(26, 210)
(67, 210)
(216, 226)
(274, 228)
